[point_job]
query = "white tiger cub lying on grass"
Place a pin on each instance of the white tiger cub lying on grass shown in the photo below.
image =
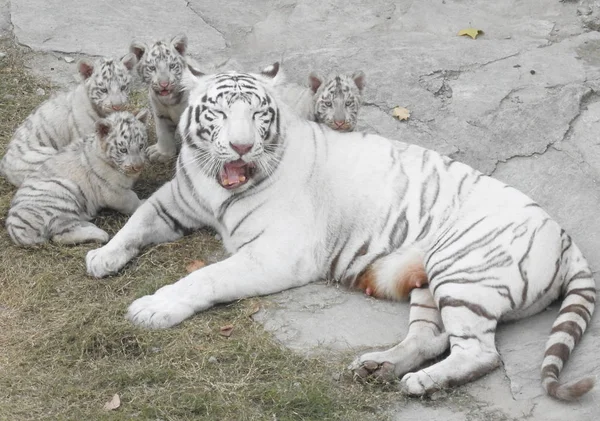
(296, 202)
(56, 202)
(68, 116)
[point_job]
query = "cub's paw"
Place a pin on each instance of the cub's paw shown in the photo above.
(418, 384)
(157, 155)
(158, 311)
(373, 370)
(104, 261)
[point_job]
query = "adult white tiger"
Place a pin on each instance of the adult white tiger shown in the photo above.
(296, 202)
(68, 116)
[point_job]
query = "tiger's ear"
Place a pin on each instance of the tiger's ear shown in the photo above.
(129, 60)
(271, 71)
(315, 80)
(85, 68)
(274, 74)
(138, 48)
(103, 128)
(179, 42)
(143, 115)
(359, 79)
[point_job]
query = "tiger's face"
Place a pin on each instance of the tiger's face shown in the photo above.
(108, 82)
(123, 140)
(338, 99)
(161, 67)
(232, 127)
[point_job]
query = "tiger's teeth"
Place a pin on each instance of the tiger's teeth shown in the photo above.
(242, 178)
(225, 181)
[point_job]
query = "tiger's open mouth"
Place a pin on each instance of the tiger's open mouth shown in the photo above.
(236, 173)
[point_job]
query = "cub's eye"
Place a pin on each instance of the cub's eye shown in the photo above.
(172, 66)
(327, 103)
(124, 87)
(123, 150)
(104, 90)
(257, 114)
(349, 103)
(152, 68)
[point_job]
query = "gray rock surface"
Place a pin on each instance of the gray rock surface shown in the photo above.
(520, 102)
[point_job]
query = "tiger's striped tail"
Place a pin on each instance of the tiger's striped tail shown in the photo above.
(574, 316)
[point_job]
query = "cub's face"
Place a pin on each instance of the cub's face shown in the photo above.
(108, 82)
(232, 128)
(338, 99)
(161, 67)
(123, 139)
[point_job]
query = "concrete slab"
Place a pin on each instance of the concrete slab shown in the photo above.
(520, 102)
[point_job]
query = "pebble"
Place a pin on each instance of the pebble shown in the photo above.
(2, 55)
(40, 92)
(9, 97)
(213, 360)
(69, 59)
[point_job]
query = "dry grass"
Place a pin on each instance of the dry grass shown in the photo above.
(65, 347)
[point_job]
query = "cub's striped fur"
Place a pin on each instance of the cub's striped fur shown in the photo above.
(335, 101)
(56, 202)
(296, 202)
(161, 67)
(68, 116)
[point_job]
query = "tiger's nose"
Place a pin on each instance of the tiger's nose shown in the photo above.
(242, 149)
(117, 107)
(339, 123)
(163, 84)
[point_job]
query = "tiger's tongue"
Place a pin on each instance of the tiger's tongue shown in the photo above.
(233, 173)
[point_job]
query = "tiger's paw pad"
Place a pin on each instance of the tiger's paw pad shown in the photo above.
(372, 370)
(157, 155)
(158, 311)
(418, 384)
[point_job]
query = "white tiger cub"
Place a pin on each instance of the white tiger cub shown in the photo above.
(68, 116)
(335, 101)
(58, 201)
(291, 210)
(161, 67)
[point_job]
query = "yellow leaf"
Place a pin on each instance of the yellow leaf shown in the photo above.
(113, 404)
(401, 113)
(472, 32)
(226, 330)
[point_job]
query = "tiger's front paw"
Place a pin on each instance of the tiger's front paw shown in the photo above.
(105, 261)
(155, 154)
(158, 311)
(419, 384)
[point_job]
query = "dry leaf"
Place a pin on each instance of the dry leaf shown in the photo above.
(113, 404)
(401, 113)
(226, 330)
(472, 32)
(195, 265)
(254, 310)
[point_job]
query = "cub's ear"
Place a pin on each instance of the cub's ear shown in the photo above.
(315, 80)
(138, 48)
(359, 79)
(179, 42)
(143, 115)
(129, 60)
(85, 68)
(103, 128)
